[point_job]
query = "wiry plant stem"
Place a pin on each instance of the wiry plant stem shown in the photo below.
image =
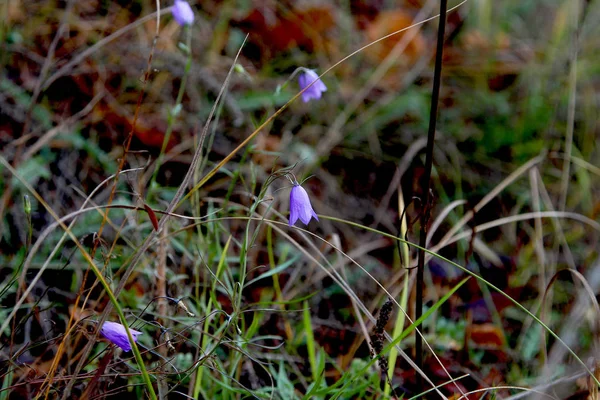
(566, 175)
(435, 94)
(161, 294)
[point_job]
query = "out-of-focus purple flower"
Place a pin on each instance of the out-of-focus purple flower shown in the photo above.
(117, 334)
(300, 207)
(182, 12)
(307, 77)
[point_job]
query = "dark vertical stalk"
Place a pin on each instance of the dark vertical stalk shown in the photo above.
(435, 95)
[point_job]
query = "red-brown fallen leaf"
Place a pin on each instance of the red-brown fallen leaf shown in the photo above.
(488, 335)
(391, 21)
(364, 12)
(136, 288)
(150, 133)
(274, 31)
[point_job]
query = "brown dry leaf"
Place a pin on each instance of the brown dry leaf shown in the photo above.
(588, 383)
(475, 40)
(388, 22)
(79, 314)
(266, 144)
(41, 368)
(149, 131)
(488, 335)
(137, 288)
(477, 52)
(274, 31)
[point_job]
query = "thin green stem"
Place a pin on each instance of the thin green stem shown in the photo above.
(173, 113)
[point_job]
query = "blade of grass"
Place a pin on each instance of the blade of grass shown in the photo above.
(405, 263)
(310, 341)
(409, 329)
(208, 310)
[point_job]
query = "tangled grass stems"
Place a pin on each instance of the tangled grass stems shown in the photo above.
(243, 236)
(97, 273)
(269, 120)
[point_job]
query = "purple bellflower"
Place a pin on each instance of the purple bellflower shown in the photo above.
(117, 334)
(308, 76)
(300, 207)
(182, 12)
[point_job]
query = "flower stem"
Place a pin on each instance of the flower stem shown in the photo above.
(178, 101)
(425, 198)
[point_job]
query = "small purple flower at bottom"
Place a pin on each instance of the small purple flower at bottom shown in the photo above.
(307, 77)
(117, 334)
(300, 207)
(183, 13)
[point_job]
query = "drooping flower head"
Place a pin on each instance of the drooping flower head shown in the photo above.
(182, 12)
(117, 334)
(308, 76)
(300, 207)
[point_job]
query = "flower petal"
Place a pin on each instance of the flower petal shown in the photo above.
(300, 207)
(117, 334)
(305, 79)
(183, 13)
